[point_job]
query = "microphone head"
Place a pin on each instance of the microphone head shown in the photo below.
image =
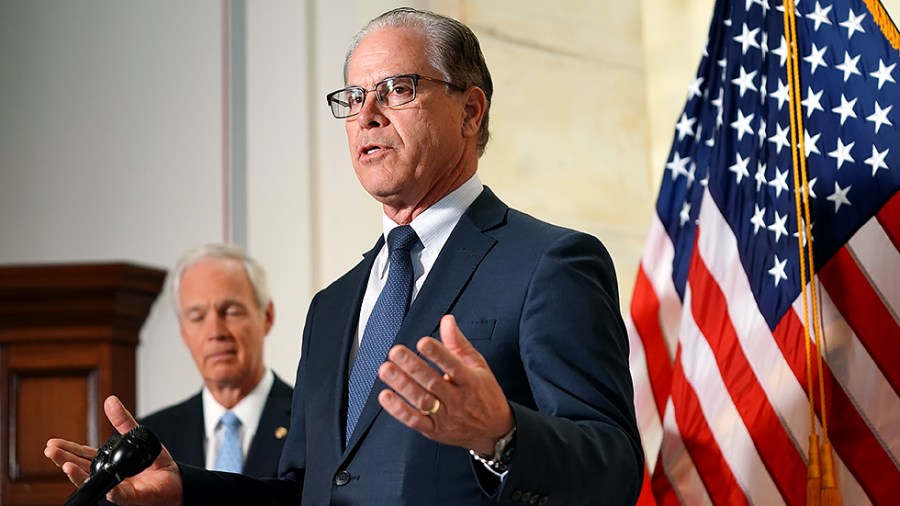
(119, 458)
(102, 456)
(134, 452)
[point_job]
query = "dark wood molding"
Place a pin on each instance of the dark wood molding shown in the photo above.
(68, 335)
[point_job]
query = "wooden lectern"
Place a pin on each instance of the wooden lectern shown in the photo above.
(68, 335)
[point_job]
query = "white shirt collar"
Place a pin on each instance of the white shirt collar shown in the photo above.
(249, 409)
(434, 225)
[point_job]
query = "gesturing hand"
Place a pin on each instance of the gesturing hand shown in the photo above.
(464, 406)
(159, 484)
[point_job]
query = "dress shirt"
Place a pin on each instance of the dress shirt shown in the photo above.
(249, 410)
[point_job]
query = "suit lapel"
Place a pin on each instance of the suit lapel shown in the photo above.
(337, 341)
(193, 432)
(454, 267)
(269, 436)
(457, 262)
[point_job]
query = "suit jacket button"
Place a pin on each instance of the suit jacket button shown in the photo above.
(342, 478)
(516, 495)
(544, 500)
(526, 496)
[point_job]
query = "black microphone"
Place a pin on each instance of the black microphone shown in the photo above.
(127, 456)
(102, 456)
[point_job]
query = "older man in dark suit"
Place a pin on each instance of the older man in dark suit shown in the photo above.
(224, 310)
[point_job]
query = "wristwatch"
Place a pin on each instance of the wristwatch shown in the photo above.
(503, 451)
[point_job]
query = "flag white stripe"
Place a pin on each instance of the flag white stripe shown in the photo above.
(656, 261)
(648, 419)
(880, 261)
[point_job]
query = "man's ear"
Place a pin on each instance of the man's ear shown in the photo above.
(270, 316)
(476, 105)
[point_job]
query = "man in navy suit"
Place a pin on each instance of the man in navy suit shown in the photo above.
(519, 393)
(225, 311)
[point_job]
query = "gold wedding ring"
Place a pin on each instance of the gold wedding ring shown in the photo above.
(434, 409)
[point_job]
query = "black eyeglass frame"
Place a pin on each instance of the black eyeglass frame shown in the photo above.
(381, 100)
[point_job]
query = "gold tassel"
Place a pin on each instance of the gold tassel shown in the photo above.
(813, 472)
(831, 495)
(884, 22)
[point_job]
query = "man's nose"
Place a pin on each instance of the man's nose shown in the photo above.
(214, 326)
(371, 113)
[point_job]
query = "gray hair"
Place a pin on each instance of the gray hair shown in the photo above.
(453, 50)
(255, 272)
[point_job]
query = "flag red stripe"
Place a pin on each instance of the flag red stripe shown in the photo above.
(889, 218)
(646, 496)
(710, 310)
(698, 439)
(645, 317)
(851, 437)
(864, 311)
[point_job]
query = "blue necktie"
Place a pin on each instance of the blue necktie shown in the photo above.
(383, 324)
(230, 457)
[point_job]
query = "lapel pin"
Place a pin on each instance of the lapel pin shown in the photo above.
(280, 432)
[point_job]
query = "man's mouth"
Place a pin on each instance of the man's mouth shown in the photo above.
(371, 149)
(220, 355)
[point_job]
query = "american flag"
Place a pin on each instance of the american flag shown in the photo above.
(717, 316)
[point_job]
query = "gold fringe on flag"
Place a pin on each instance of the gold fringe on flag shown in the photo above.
(888, 29)
(813, 472)
(821, 481)
(831, 496)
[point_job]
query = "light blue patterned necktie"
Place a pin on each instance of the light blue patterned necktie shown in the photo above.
(383, 324)
(230, 458)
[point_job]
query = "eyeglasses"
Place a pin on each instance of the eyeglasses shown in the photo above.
(391, 92)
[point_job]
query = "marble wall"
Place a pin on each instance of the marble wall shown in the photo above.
(586, 97)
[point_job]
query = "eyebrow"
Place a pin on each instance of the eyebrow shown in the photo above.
(391, 76)
(217, 305)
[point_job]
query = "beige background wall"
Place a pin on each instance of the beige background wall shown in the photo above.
(113, 114)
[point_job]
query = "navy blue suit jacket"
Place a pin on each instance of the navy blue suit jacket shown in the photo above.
(180, 429)
(540, 303)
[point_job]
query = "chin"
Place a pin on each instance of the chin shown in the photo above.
(227, 381)
(380, 190)
(225, 374)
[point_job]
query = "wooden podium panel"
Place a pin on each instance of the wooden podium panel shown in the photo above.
(68, 335)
